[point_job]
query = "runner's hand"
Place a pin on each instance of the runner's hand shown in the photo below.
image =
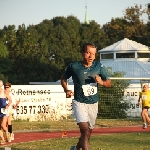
(69, 93)
(99, 80)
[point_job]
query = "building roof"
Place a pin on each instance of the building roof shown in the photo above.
(133, 67)
(125, 44)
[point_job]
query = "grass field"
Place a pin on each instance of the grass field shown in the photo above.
(123, 141)
(119, 141)
(71, 124)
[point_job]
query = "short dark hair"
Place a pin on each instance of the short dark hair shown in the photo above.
(84, 47)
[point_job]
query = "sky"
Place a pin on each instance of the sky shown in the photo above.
(28, 12)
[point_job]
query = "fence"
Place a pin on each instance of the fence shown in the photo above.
(120, 101)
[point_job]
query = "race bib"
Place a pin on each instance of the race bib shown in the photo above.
(144, 97)
(90, 89)
(5, 111)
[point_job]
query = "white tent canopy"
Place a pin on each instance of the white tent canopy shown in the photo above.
(128, 56)
(125, 44)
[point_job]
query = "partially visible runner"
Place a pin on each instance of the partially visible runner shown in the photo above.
(145, 97)
(12, 107)
(5, 102)
(2, 140)
(86, 75)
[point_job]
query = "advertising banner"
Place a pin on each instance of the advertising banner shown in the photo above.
(42, 102)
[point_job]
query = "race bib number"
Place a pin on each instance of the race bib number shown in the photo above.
(5, 111)
(144, 97)
(90, 89)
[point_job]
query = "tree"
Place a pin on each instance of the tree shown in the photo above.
(136, 25)
(148, 26)
(116, 30)
(3, 50)
(5, 62)
(129, 26)
(41, 52)
(63, 42)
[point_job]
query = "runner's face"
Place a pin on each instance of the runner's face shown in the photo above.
(145, 88)
(89, 55)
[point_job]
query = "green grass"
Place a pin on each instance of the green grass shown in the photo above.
(119, 141)
(123, 141)
(71, 124)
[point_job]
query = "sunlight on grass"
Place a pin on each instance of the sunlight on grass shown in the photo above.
(123, 141)
(120, 141)
(71, 124)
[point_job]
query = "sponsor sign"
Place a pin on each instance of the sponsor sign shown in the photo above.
(49, 102)
(39, 102)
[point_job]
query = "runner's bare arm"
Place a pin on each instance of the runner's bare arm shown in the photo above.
(64, 84)
(17, 103)
(106, 83)
(68, 92)
(9, 100)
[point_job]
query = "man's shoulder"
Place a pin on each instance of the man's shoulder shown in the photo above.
(76, 63)
(98, 63)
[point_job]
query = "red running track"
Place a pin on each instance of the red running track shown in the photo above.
(34, 136)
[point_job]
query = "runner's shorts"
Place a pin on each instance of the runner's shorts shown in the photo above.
(85, 112)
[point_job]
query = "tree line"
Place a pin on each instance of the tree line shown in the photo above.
(40, 53)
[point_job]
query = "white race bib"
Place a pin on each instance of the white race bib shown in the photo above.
(5, 111)
(144, 97)
(90, 89)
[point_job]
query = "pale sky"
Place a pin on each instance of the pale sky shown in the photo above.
(17, 12)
